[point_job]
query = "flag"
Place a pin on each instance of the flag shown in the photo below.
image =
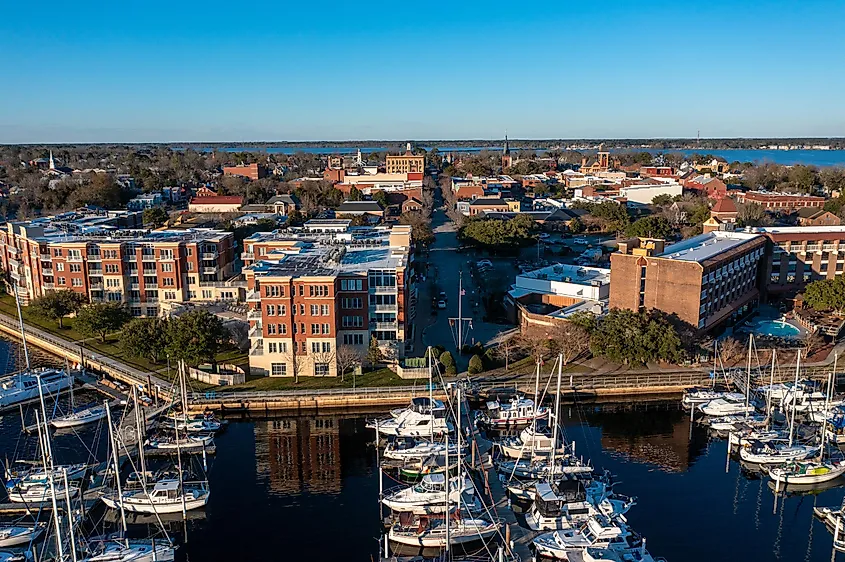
(463, 292)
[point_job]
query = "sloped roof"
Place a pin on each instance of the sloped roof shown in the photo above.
(724, 205)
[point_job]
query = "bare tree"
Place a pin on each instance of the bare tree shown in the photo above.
(570, 340)
(326, 357)
(507, 349)
(730, 350)
(348, 357)
(536, 343)
(812, 343)
(298, 363)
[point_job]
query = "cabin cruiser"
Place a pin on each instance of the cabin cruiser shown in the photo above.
(38, 475)
(167, 496)
(198, 423)
(14, 534)
(422, 418)
(775, 453)
(724, 407)
(598, 532)
(530, 443)
(38, 492)
(429, 496)
(570, 503)
(744, 436)
(804, 400)
(23, 387)
(541, 469)
(427, 532)
(730, 423)
(525, 490)
(517, 411)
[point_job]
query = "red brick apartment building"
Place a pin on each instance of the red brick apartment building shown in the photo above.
(87, 254)
(780, 201)
(329, 285)
(249, 171)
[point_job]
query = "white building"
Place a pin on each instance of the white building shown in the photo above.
(644, 194)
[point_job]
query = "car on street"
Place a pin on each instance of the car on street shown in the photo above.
(441, 304)
(581, 241)
(442, 296)
(483, 263)
(544, 236)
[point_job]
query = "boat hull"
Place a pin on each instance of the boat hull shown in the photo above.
(146, 507)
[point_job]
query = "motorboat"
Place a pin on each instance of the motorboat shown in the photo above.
(570, 503)
(191, 424)
(824, 414)
(833, 518)
(404, 448)
(598, 533)
(429, 495)
(130, 551)
(423, 418)
(23, 387)
(697, 396)
(516, 411)
(804, 399)
(433, 464)
(39, 493)
(530, 443)
(723, 407)
(15, 534)
(834, 428)
(428, 532)
(12, 556)
(776, 453)
(166, 496)
(807, 472)
(84, 416)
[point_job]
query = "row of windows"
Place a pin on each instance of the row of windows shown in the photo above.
(281, 310)
(353, 339)
(282, 329)
(351, 284)
(281, 369)
(352, 321)
(352, 303)
(313, 291)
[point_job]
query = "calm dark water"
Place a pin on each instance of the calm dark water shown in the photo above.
(305, 489)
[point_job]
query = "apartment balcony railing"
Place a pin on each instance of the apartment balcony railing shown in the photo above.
(209, 270)
(253, 296)
(247, 256)
(209, 257)
(148, 257)
(384, 325)
(94, 257)
(74, 258)
(383, 290)
(45, 257)
(253, 315)
(256, 331)
(383, 307)
(258, 350)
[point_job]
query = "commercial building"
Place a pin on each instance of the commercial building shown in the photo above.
(403, 186)
(706, 280)
(488, 205)
(249, 171)
(407, 163)
(325, 287)
(215, 204)
(644, 194)
(105, 257)
(780, 201)
(541, 298)
(799, 255)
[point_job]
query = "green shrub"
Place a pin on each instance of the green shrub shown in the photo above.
(475, 365)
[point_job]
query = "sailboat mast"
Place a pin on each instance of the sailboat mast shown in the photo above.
(748, 375)
(430, 353)
(50, 469)
(771, 388)
(826, 406)
(69, 517)
(536, 406)
(460, 320)
(116, 466)
(139, 429)
(557, 414)
(23, 332)
(794, 397)
(181, 483)
(448, 515)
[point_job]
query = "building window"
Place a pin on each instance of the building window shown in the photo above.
(167, 267)
(302, 290)
(326, 329)
(169, 282)
(327, 347)
(170, 295)
(271, 329)
(353, 339)
(324, 310)
(61, 281)
(352, 321)
(302, 331)
(271, 310)
(76, 282)
(271, 290)
(60, 266)
(321, 369)
(283, 328)
(302, 310)
(351, 284)
(272, 347)
(112, 268)
(315, 347)
(315, 310)
(318, 290)
(315, 328)
(75, 268)
(279, 369)
(283, 310)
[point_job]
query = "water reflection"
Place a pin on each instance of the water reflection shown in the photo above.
(299, 454)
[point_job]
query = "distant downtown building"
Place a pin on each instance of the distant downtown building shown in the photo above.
(106, 256)
(780, 201)
(407, 163)
(327, 285)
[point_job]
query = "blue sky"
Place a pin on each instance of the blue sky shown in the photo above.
(220, 71)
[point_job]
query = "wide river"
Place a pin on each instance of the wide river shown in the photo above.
(305, 488)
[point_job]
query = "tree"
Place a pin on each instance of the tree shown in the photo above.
(382, 199)
(751, 214)
(374, 354)
(812, 343)
(448, 362)
(195, 337)
(155, 216)
(535, 343)
(833, 179)
(826, 294)
(101, 319)
(661, 200)
(730, 350)
(348, 357)
(570, 340)
(55, 305)
(507, 349)
(652, 226)
(355, 194)
(576, 226)
(421, 232)
(626, 336)
(144, 338)
(475, 365)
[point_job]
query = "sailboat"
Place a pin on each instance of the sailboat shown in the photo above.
(133, 550)
(429, 496)
(23, 387)
(15, 534)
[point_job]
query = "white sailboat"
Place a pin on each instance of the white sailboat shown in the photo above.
(188, 444)
(724, 407)
(15, 534)
(130, 551)
(167, 496)
(23, 387)
(410, 448)
(77, 418)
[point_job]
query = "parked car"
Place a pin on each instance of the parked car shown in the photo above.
(442, 296)
(441, 304)
(481, 263)
(581, 241)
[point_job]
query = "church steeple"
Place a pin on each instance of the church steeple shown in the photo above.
(52, 162)
(506, 150)
(507, 160)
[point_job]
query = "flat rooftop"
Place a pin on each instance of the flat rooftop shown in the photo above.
(569, 274)
(705, 246)
(307, 260)
(799, 229)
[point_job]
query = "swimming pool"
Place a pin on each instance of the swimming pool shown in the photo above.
(776, 328)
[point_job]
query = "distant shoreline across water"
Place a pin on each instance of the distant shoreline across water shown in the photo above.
(809, 157)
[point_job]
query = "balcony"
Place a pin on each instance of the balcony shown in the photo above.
(74, 258)
(134, 286)
(166, 257)
(13, 250)
(151, 285)
(45, 257)
(257, 350)
(94, 257)
(96, 285)
(383, 307)
(247, 256)
(253, 296)
(48, 285)
(14, 262)
(383, 325)
(209, 257)
(256, 331)
(253, 315)
(383, 290)
(148, 257)
(209, 270)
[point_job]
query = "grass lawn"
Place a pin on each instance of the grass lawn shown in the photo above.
(7, 306)
(381, 377)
